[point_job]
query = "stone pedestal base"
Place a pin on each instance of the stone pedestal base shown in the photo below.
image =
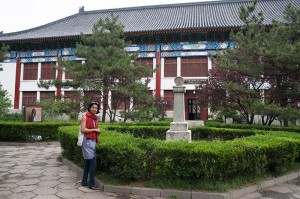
(179, 131)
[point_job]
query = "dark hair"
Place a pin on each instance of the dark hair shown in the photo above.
(91, 104)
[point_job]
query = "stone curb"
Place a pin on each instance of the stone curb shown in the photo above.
(167, 193)
(29, 143)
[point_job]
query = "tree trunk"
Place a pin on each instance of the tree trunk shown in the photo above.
(105, 103)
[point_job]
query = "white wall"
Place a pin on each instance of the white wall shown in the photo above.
(7, 79)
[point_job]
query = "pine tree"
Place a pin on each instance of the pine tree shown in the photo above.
(109, 69)
(262, 72)
(3, 53)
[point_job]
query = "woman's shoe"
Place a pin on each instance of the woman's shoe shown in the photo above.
(84, 184)
(94, 188)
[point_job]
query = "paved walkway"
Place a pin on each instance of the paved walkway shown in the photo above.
(31, 171)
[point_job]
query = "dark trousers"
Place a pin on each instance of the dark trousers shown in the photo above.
(89, 169)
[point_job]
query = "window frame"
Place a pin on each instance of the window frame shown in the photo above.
(194, 67)
(30, 71)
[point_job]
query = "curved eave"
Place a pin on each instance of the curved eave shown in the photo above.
(132, 33)
(42, 39)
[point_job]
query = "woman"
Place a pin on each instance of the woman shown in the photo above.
(89, 126)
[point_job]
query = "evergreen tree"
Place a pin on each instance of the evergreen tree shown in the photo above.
(262, 72)
(108, 70)
(3, 53)
(5, 103)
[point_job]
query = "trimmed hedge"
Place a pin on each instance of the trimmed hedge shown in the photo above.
(253, 126)
(156, 132)
(130, 158)
(198, 133)
(28, 132)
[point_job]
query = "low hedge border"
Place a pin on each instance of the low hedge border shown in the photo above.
(198, 133)
(29, 132)
(252, 126)
(130, 158)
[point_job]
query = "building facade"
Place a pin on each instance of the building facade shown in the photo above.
(175, 39)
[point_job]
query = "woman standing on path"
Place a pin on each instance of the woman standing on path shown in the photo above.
(89, 126)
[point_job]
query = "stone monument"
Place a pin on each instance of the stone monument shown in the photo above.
(179, 128)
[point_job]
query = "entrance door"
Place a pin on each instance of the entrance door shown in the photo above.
(193, 110)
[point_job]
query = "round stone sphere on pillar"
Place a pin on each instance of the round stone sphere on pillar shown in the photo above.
(178, 81)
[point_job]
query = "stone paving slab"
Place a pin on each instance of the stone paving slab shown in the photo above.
(30, 170)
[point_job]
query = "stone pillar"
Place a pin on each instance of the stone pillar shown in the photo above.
(179, 128)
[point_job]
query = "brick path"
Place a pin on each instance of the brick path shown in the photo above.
(31, 171)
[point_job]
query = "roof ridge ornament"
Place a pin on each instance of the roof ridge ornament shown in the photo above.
(81, 10)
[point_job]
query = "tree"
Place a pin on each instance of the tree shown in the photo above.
(3, 53)
(108, 69)
(262, 72)
(5, 103)
(53, 108)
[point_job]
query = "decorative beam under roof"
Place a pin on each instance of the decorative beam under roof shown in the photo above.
(127, 34)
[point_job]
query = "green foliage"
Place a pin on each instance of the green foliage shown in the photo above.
(29, 132)
(53, 108)
(295, 129)
(5, 103)
(143, 114)
(156, 132)
(261, 74)
(135, 159)
(109, 70)
(18, 117)
(229, 113)
(3, 52)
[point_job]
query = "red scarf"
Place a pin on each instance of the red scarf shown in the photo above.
(91, 123)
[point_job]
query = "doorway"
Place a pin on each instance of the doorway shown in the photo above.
(193, 110)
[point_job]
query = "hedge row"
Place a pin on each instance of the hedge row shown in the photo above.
(33, 131)
(198, 133)
(130, 158)
(253, 126)
(157, 123)
(45, 131)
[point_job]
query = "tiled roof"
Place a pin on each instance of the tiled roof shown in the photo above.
(162, 18)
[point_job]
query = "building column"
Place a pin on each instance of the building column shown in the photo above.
(17, 84)
(158, 72)
(178, 67)
(59, 76)
(38, 96)
(39, 71)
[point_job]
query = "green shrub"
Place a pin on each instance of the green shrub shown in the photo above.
(132, 159)
(30, 131)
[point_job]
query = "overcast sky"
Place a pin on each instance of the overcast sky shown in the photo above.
(18, 15)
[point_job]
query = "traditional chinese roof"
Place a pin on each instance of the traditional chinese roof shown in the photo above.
(200, 16)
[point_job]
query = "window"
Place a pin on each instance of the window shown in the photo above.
(47, 71)
(29, 97)
(170, 67)
(169, 98)
(47, 95)
(147, 62)
(194, 67)
(30, 71)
